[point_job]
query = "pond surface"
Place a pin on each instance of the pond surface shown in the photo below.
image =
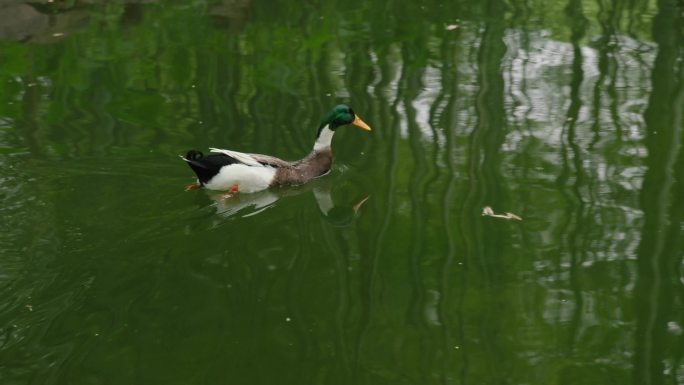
(566, 114)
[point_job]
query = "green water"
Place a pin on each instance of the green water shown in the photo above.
(567, 114)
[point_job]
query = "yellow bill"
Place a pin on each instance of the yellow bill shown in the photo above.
(360, 123)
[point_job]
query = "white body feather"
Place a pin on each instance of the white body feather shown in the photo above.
(248, 178)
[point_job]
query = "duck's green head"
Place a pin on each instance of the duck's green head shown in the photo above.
(341, 115)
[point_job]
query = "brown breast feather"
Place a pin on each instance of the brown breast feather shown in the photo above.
(314, 165)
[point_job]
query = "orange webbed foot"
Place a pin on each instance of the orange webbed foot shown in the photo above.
(193, 186)
(233, 189)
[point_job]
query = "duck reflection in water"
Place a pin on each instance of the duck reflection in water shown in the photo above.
(234, 204)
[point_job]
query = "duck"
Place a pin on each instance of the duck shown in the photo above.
(233, 171)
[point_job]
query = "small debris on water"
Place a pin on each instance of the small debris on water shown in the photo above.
(674, 328)
(451, 27)
(487, 211)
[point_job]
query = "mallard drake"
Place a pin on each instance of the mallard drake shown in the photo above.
(237, 171)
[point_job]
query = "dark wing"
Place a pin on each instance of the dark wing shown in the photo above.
(272, 161)
(256, 160)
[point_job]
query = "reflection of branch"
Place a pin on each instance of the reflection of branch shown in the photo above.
(487, 211)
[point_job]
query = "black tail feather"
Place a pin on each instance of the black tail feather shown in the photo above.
(206, 167)
(194, 155)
